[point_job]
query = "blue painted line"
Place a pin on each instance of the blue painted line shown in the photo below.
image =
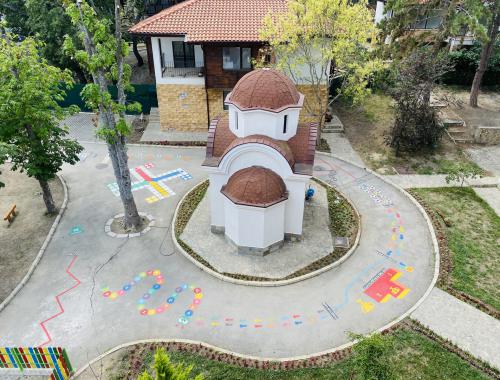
(168, 175)
(33, 356)
(54, 361)
(355, 279)
(13, 361)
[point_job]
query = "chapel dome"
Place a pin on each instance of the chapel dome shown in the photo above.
(255, 186)
(266, 89)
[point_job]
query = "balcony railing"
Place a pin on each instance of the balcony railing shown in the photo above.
(169, 69)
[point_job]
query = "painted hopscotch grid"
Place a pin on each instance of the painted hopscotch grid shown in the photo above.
(155, 184)
(37, 357)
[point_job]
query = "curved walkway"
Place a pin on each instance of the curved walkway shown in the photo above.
(132, 289)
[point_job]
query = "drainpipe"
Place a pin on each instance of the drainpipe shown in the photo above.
(206, 89)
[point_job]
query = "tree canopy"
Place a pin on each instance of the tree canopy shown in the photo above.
(30, 89)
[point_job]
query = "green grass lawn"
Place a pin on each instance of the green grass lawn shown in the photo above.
(412, 355)
(473, 239)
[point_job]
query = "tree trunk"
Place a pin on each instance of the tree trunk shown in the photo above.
(47, 197)
(138, 56)
(116, 144)
(485, 57)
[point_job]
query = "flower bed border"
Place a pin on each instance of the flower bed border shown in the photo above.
(240, 279)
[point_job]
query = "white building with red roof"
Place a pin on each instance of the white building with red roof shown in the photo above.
(198, 50)
(260, 160)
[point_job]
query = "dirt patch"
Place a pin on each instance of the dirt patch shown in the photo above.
(368, 129)
(21, 240)
(117, 226)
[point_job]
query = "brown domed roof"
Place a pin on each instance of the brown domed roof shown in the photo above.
(265, 89)
(255, 186)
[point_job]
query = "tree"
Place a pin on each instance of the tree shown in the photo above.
(165, 370)
(371, 359)
(461, 172)
(29, 113)
(492, 13)
(5, 149)
(319, 41)
(103, 58)
(481, 18)
(135, 11)
(416, 124)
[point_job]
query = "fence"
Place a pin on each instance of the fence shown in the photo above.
(145, 94)
(23, 358)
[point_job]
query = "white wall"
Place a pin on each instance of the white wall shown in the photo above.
(254, 226)
(166, 47)
(379, 12)
(258, 154)
(258, 122)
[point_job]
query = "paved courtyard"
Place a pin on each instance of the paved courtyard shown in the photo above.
(114, 291)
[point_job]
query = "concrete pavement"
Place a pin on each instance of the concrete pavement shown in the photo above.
(390, 271)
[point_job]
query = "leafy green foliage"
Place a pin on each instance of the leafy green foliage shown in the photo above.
(315, 35)
(29, 113)
(416, 125)
(5, 150)
(102, 64)
(166, 370)
(461, 172)
(465, 62)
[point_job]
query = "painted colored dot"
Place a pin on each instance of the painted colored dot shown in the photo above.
(156, 272)
(142, 274)
(106, 294)
(410, 269)
(127, 287)
(113, 295)
(401, 237)
(183, 320)
(156, 286)
(192, 307)
(151, 291)
(132, 283)
(160, 309)
(121, 292)
(160, 282)
(151, 311)
(170, 300)
(146, 296)
(197, 290)
(188, 313)
(149, 272)
(196, 301)
(159, 277)
(144, 312)
(184, 286)
(198, 296)
(178, 290)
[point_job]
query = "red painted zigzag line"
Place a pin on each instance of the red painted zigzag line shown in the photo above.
(61, 311)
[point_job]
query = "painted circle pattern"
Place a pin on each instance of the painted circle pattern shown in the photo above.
(159, 281)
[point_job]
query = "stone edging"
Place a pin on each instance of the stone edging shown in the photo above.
(107, 226)
(232, 280)
(46, 242)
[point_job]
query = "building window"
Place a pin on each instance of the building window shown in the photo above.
(285, 122)
(224, 96)
(183, 54)
(236, 58)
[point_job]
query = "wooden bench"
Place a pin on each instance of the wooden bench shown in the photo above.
(11, 214)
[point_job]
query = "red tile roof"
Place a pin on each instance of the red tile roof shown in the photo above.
(298, 151)
(255, 186)
(211, 20)
(265, 89)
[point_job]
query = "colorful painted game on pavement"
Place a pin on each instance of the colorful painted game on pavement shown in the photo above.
(156, 184)
(37, 357)
(384, 286)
